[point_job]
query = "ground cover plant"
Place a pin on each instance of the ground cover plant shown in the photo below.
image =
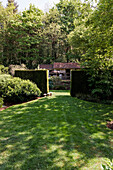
(58, 132)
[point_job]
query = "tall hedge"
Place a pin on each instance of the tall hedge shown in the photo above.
(79, 83)
(40, 77)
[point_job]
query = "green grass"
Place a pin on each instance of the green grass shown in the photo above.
(55, 133)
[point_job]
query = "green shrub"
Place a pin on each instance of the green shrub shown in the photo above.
(108, 166)
(40, 77)
(5, 76)
(17, 90)
(101, 83)
(3, 70)
(55, 83)
(56, 80)
(1, 102)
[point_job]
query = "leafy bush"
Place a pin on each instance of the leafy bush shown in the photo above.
(108, 166)
(1, 102)
(55, 83)
(17, 90)
(101, 84)
(5, 76)
(3, 70)
(56, 80)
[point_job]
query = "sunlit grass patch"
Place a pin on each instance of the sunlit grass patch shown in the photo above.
(58, 132)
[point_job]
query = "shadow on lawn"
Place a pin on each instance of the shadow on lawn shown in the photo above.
(54, 133)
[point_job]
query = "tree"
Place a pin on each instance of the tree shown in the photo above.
(51, 44)
(6, 15)
(22, 37)
(12, 2)
(95, 38)
(68, 10)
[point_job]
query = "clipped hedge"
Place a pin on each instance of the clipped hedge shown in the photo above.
(17, 90)
(79, 83)
(40, 77)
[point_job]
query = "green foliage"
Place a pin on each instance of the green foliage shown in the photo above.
(17, 90)
(6, 16)
(32, 37)
(108, 166)
(12, 2)
(93, 37)
(5, 76)
(21, 38)
(40, 77)
(3, 70)
(1, 102)
(51, 46)
(68, 10)
(101, 83)
(57, 83)
(55, 80)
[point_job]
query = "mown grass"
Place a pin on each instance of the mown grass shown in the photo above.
(58, 132)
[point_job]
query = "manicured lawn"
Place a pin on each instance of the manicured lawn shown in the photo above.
(58, 132)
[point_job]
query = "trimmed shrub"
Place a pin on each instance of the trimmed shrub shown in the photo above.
(17, 90)
(40, 77)
(79, 83)
(1, 102)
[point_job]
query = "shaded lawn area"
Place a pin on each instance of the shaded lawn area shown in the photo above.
(58, 132)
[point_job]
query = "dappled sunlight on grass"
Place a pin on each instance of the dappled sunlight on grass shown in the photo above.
(58, 132)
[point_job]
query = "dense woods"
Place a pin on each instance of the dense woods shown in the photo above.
(72, 31)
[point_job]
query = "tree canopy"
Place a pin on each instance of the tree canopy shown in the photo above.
(93, 36)
(71, 30)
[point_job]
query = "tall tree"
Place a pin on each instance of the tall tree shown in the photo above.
(51, 45)
(68, 10)
(22, 37)
(12, 2)
(6, 15)
(95, 38)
